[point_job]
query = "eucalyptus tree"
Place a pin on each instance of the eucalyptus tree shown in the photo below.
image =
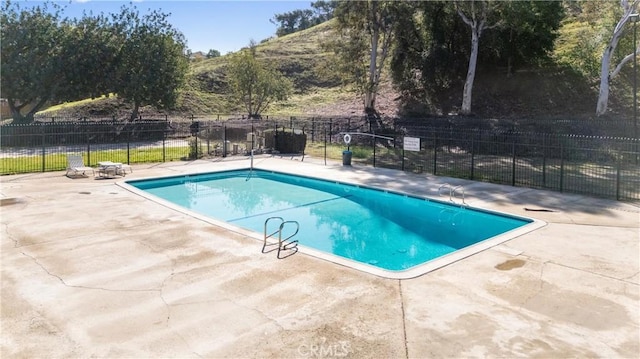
(528, 35)
(430, 54)
(255, 83)
(433, 56)
(627, 10)
(152, 62)
(31, 39)
(365, 35)
(479, 15)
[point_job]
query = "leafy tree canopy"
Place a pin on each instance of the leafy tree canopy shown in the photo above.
(256, 84)
(152, 63)
(48, 59)
(213, 53)
(296, 20)
(30, 41)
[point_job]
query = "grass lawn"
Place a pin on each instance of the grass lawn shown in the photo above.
(58, 161)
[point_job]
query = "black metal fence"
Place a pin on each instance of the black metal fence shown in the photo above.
(596, 165)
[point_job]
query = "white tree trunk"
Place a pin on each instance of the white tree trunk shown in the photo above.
(471, 72)
(477, 21)
(605, 75)
(603, 96)
(372, 84)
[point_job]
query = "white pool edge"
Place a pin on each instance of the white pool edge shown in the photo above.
(412, 272)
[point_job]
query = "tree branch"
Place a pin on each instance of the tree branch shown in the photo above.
(626, 59)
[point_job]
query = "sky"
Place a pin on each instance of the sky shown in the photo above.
(225, 26)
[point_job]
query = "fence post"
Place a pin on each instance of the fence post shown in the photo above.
(86, 132)
(435, 152)
(330, 129)
(128, 145)
(313, 129)
(473, 157)
(164, 137)
(164, 148)
(561, 165)
(544, 161)
(325, 143)
(224, 140)
(402, 157)
(374, 150)
(618, 175)
(513, 161)
(208, 142)
(43, 148)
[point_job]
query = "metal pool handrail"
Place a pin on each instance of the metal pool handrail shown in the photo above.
(452, 192)
(283, 244)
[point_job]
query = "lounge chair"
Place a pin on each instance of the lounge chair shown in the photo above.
(75, 165)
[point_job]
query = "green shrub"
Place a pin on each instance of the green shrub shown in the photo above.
(195, 148)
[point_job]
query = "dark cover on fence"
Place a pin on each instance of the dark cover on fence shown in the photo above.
(68, 133)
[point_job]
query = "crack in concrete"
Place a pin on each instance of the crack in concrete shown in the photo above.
(168, 319)
(597, 274)
(5, 229)
(541, 284)
(404, 320)
(631, 276)
(35, 260)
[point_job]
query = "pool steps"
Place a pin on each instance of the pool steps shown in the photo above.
(284, 244)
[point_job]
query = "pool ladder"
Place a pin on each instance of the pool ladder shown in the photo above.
(452, 192)
(284, 244)
(250, 168)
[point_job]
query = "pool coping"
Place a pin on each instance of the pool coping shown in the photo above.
(409, 273)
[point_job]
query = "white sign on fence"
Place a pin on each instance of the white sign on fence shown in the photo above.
(412, 144)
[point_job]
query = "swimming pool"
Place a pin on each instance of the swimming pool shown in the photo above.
(383, 232)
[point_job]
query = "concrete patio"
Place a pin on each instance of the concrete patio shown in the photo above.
(90, 269)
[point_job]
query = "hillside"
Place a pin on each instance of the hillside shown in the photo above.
(544, 91)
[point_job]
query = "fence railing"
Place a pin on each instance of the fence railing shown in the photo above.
(602, 166)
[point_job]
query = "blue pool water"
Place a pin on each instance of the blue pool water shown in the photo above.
(388, 230)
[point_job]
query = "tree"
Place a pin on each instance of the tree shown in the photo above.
(323, 10)
(256, 84)
(30, 40)
(297, 20)
(293, 21)
(476, 14)
(213, 53)
(90, 52)
(527, 35)
(365, 35)
(152, 64)
(606, 74)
